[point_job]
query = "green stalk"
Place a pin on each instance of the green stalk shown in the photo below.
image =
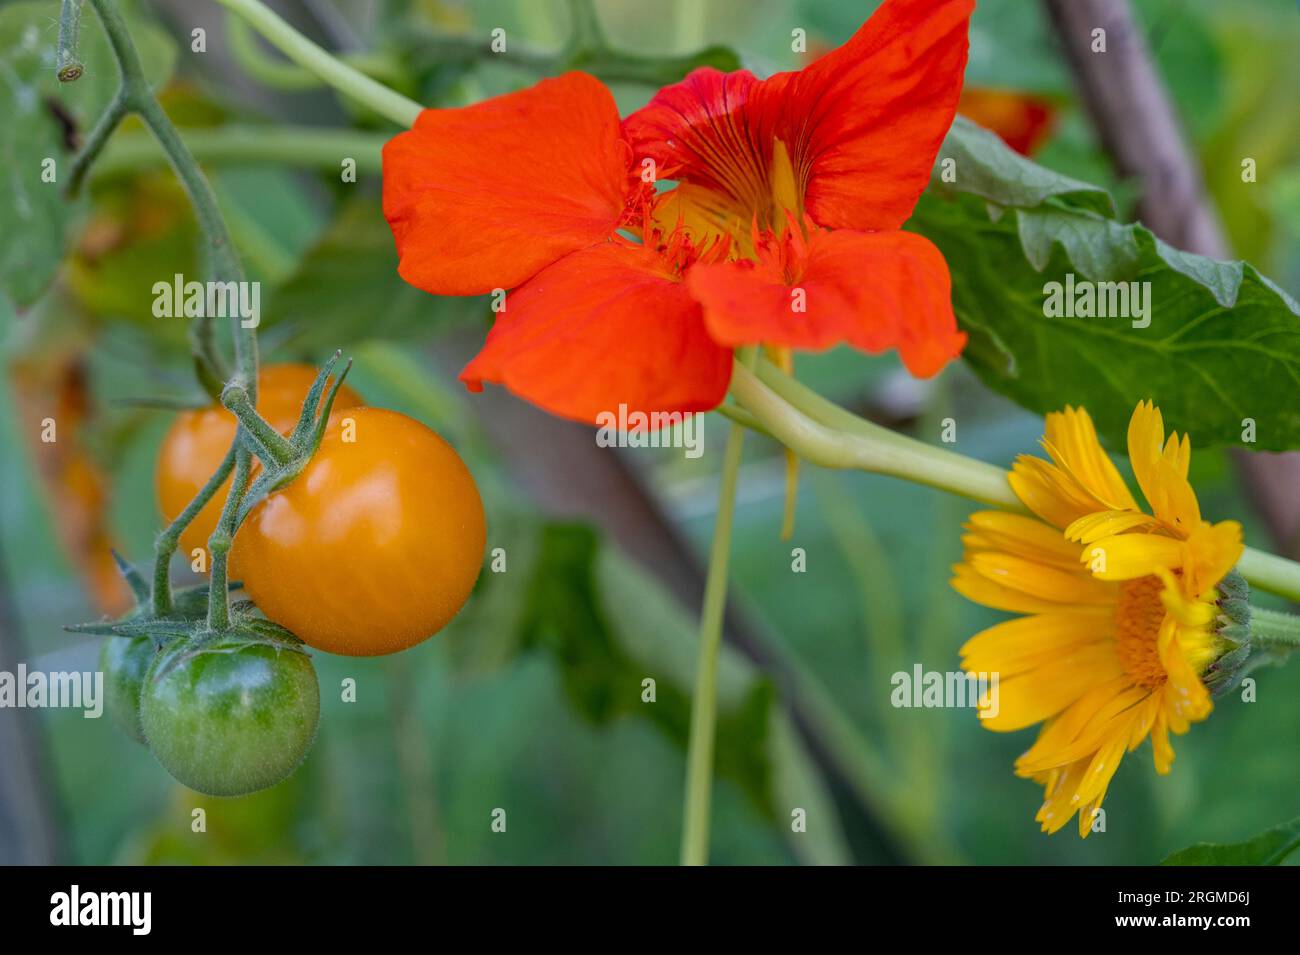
(1271, 573)
(322, 149)
(222, 538)
(67, 65)
(169, 538)
(704, 706)
(825, 434)
(290, 77)
(374, 95)
(136, 96)
(1272, 628)
(867, 447)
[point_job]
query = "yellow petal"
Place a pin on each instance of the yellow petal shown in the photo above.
(1161, 751)
(1022, 536)
(976, 587)
(1033, 696)
(1104, 524)
(1046, 583)
(1015, 646)
(1214, 550)
(1058, 808)
(1104, 715)
(1129, 556)
(1049, 492)
(1176, 507)
(1146, 435)
(1096, 780)
(1071, 440)
(1185, 694)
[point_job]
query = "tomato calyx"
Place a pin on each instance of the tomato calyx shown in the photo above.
(244, 696)
(283, 459)
(187, 619)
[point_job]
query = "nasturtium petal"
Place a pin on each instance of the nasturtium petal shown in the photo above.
(485, 196)
(606, 326)
(873, 291)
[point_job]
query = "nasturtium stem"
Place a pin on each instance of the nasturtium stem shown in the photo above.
(1272, 628)
(704, 703)
(868, 447)
(282, 75)
(827, 435)
(346, 79)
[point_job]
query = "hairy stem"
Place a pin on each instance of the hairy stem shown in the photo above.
(169, 538)
(95, 140)
(1272, 628)
(221, 539)
(67, 65)
(271, 445)
(223, 264)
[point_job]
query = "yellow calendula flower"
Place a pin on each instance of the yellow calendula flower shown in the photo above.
(1120, 607)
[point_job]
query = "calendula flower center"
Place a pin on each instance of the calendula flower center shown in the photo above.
(1139, 613)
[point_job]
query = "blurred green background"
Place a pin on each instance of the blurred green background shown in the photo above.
(531, 700)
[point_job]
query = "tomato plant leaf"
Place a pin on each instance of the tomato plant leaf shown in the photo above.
(1268, 848)
(1066, 305)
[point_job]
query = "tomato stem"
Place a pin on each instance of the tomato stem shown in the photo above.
(67, 65)
(220, 541)
(704, 705)
(135, 95)
(165, 546)
(272, 446)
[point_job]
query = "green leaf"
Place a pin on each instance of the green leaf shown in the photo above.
(611, 628)
(986, 167)
(1222, 343)
(346, 289)
(45, 120)
(1268, 848)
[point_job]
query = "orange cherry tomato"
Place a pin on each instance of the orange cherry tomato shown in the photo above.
(198, 440)
(374, 546)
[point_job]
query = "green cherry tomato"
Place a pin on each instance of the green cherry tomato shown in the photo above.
(229, 718)
(124, 661)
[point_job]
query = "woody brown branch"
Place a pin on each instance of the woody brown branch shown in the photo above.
(1135, 120)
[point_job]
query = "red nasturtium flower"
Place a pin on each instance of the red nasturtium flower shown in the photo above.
(783, 227)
